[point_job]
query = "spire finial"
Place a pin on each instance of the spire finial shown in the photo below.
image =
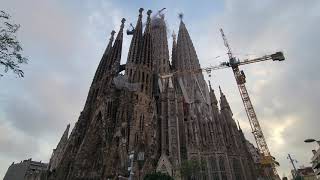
(180, 16)
(140, 11)
(123, 20)
(113, 32)
(149, 12)
(122, 23)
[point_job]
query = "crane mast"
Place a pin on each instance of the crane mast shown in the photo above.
(254, 123)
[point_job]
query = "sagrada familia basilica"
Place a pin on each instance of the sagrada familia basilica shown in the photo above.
(152, 114)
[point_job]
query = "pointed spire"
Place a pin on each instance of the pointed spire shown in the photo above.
(160, 44)
(186, 54)
(136, 40)
(103, 62)
(213, 97)
(66, 132)
(174, 49)
(148, 26)
(115, 56)
(110, 42)
(64, 137)
(223, 101)
(146, 49)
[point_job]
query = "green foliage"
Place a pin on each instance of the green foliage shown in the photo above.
(10, 48)
(157, 176)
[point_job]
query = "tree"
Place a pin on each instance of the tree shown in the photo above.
(10, 48)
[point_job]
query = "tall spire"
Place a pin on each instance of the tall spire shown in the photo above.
(115, 56)
(110, 42)
(146, 49)
(174, 50)
(186, 53)
(136, 40)
(104, 60)
(160, 44)
(212, 96)
(223, 101)
(194, 84)
(65, 133)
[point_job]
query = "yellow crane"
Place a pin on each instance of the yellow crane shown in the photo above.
(267, 162)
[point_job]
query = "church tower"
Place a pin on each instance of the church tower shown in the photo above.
(155, 116)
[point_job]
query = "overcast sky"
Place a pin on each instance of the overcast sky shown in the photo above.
(64, 41)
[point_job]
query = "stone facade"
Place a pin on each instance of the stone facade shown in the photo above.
(146, 122)
(27, 170)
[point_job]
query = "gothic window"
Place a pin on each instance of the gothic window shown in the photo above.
(237, 169)
(222, 166)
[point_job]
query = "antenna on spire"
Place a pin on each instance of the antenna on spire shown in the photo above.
(180, 16)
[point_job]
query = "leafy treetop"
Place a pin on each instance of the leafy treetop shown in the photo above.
(10, 48)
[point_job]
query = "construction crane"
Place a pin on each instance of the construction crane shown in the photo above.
(267, 161)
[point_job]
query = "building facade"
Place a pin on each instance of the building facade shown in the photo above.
(154, 116)
(26, 170)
